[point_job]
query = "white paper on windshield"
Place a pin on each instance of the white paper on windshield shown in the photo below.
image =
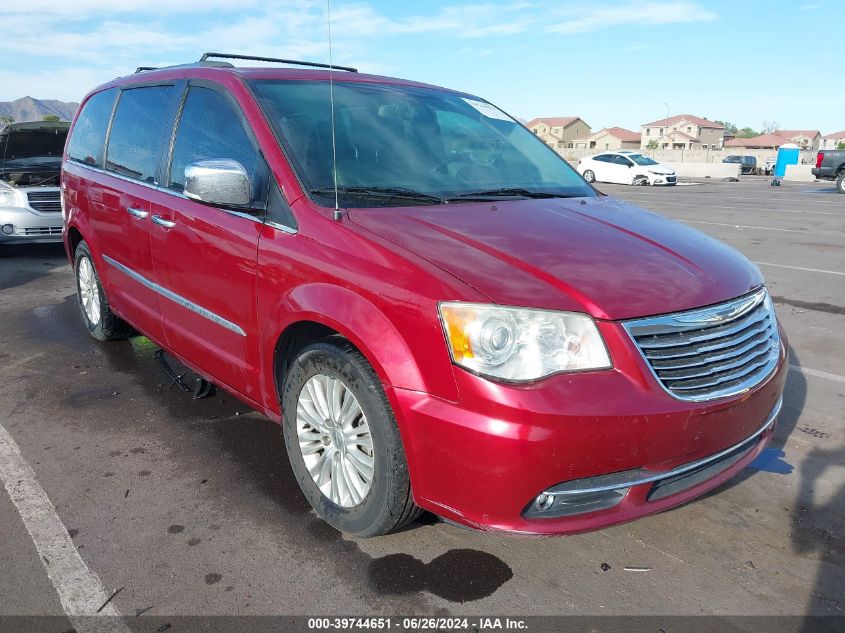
(488, 110)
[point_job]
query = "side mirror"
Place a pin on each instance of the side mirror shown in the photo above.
(221, 182)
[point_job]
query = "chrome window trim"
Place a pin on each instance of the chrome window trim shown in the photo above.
(702, 317)
(170, 192)
(680, 470)
(169, 294)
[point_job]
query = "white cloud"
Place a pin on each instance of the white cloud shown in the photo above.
(584, 20)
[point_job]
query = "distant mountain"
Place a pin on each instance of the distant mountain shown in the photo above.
(30, 109)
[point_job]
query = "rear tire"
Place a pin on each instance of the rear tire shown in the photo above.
(356, 478)
(589, 176)
(840, 182)
(102, 323)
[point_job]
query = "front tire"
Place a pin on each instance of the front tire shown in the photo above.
(589, 176)
(640, 181)
(840, 182)
(102, 323)
(343, 442)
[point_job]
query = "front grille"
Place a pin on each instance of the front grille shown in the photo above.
(711, 352)
(671, 178)
(45, 201)
(43, 230)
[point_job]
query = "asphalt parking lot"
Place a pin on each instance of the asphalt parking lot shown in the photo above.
(189, 507)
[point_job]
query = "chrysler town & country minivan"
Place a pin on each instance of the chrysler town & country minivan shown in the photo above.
(441, 313)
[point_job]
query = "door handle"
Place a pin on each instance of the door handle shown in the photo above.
(138, 213)
(168, 224)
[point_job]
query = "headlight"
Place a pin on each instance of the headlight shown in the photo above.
(8, 196)
(521, 344)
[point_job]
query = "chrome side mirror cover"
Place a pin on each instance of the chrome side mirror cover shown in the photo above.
(219, 182)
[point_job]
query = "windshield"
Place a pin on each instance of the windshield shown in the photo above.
(642, 160)
(397, 143)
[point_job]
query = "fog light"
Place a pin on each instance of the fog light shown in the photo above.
(551, 506)
(7, 229)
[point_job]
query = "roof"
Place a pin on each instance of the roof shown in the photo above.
(764, 140)
(617, 132)
(836, 135)
(792, 133)
(553, 121)
(683, 135)
(685, 117)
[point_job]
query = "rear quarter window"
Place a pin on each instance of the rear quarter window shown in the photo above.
(89, 133)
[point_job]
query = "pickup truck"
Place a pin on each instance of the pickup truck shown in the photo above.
(830, 165)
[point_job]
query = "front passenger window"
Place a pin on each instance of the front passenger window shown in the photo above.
(210, 128)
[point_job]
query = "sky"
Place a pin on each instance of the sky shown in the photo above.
(612, 62)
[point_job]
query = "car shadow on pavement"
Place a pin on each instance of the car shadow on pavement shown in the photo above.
(21, 264)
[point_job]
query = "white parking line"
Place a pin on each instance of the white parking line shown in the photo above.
(817, 373)
(705, 204)
(748, 226)
(809, 270)
(79, 589)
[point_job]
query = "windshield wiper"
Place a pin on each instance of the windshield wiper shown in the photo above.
(509, 192)
(388, 193)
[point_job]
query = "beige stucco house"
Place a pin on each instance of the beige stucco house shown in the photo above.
(609, 138)
(559, 132)
(832, 141)
(805, 139)
(683, 131)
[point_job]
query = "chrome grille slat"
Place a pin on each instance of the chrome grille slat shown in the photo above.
(713, 368)
(703, 334)
(698, 359)
(716, 344)
(718, 378)
(710, 352)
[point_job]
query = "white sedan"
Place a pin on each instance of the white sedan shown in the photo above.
(626, 168)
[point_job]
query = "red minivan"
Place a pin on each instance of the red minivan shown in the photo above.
(439, 310)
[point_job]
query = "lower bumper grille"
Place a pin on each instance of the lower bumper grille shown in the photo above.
(712, 352)
(43, 230)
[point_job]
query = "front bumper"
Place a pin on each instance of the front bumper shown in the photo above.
(484, 461)
(30, 227)
(663, 180)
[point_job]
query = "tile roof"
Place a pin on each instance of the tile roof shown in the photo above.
(836, 135)
(618, 132)
(553, 121)
(685, 117)
(791, 133)
(764, 140)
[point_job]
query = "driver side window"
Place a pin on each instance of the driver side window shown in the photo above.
(210, 128)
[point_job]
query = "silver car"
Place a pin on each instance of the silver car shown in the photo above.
(30, 193)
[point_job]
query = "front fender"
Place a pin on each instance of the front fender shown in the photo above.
(372, 331)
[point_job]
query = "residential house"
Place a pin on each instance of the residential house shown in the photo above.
(683, 131)
(763, 141)
(559, 132)
(832, 141)
(609, 138)
(805, 139)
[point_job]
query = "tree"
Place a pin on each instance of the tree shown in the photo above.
(50, 117)
(653, 144)
(746, 132)
(770, 126)
(730, 128)
(841, 145)
(6, 119)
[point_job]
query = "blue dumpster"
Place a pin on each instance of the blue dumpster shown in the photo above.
(787, 155)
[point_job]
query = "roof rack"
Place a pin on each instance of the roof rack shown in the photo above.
(294, 62)
(142, 69)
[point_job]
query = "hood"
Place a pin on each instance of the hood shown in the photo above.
(31, 153)
(602, 256)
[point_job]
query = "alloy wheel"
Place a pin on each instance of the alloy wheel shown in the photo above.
(335, 441)
(89, 292)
